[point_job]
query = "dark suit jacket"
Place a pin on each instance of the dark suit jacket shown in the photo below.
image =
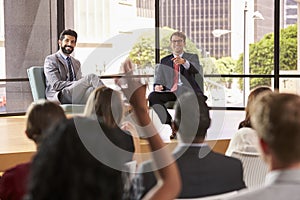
(164, 73)
(203, 172)
(57, 76)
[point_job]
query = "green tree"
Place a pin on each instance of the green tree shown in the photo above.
(226, 65)
(261, 56)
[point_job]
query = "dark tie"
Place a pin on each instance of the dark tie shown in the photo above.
(175, 78)
(70, 69)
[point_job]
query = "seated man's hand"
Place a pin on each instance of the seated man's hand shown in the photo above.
(178, 60)
(158, 88)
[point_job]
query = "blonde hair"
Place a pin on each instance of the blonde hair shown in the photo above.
(276, 119)
(105, 104)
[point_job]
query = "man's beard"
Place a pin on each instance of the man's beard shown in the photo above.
(65, 51)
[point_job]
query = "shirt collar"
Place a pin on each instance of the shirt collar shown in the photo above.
(64, 56)
(286, 174)
(179, 55)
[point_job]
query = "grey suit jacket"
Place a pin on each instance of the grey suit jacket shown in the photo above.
(281, 185)
(57, 76)
(203, 172)
(164, 74)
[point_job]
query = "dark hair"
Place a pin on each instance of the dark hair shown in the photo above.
(64, 169)
(179, 34)
(252, 96)
(68, 32)
(192, 117)
(40, 116)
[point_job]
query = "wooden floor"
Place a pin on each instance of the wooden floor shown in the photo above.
(16, 148)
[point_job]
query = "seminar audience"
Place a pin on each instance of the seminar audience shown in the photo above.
(40, 116)
(276, 119)
(203, 171)
(79, 163)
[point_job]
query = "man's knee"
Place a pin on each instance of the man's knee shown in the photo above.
(94, 80)
(91, 77)
(152, 98)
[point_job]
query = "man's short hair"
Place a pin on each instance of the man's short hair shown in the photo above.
(192, 117)
(276, 118)
(179, 34)
(68, 32)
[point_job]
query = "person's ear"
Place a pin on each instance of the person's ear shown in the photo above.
(59, 42)
(264, 146)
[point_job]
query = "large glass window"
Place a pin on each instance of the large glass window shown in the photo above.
(2, 60)
(289, 55)
(234, 41)
(227, 39)
(112, 37)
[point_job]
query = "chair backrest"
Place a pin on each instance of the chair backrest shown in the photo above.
(200, 81)
(255, 169)
(37, 82)
(215, 197)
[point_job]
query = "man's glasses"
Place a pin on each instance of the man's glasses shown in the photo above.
(176, 41)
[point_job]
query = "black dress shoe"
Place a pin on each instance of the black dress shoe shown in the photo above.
(173, 136)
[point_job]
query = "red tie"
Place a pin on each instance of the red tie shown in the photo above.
(175, 79)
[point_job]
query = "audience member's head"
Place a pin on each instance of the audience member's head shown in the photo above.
(276, 118)
(192, 117)
(252, 96)
(40, 116)
(105, 104)
(64, 167)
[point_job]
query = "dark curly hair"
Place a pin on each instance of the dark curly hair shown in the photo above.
(64, 169)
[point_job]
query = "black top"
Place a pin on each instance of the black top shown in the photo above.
(122, 139)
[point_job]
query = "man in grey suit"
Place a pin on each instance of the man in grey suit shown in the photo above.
(64, 80)
(166, 78)
(276, 119)
(203, 171)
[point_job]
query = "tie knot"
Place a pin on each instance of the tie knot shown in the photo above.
(176, 67)
(68, 58)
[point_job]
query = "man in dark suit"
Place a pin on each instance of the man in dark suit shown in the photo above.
(203, 172)
(170, 83)
(64, 80)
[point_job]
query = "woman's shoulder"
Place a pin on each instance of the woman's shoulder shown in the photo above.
(245, 140)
